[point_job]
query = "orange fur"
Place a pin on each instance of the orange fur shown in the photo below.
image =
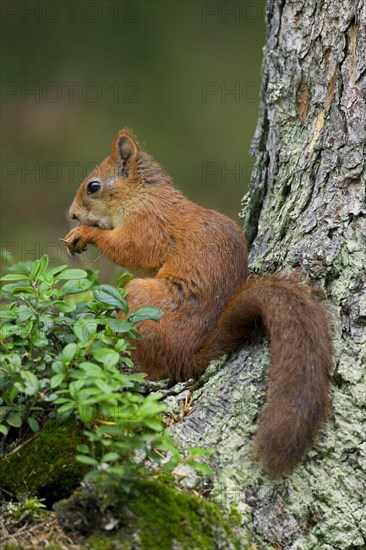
(195, 270)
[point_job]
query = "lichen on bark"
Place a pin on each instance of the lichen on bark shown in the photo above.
(305, 210)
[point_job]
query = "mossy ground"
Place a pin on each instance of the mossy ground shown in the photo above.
(150, 516)
(181, 517)
(45, 466)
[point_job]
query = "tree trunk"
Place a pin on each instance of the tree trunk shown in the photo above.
(305, 211)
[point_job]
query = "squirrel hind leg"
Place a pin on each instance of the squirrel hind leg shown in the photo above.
(165, 349)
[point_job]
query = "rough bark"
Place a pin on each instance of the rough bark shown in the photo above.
(305, 211)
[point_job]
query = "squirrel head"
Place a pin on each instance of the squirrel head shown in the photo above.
(104, 195)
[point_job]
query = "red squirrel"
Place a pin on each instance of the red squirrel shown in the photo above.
(192, 264)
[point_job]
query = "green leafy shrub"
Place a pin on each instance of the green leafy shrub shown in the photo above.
(65, 352)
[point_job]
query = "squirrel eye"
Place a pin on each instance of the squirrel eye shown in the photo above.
(93, 187)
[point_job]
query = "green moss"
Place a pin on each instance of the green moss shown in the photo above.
(44, 466)
(181, 517)
(107, 543)
(151, 516)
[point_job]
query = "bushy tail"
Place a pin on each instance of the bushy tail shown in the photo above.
(297, 397)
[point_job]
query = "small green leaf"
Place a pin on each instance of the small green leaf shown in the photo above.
(31, 383)
(110, 457)
(153, 424)
(113, 431)
(119, 325)
(14, 420)
(26, 330)
(82, 448)
(58, 367)
(108, 295)
(55, 270)
(144, 314)
(34, 270)
(4, 429)
(74, 287)
(128, 362)
(7, 330)
(68, 353)
(104, 387)
(24, 315)
(33, 424)
(107, 356)
(38, 340)
(124, 279)
(9, 314)
(15, 360)
(14, 277)
(64, 307)
(87, 460)
(91, 369)
(56, 380)
(122, 346)
(149, 410)
(65, 410)
(71, 274)
(84, 329)
(43, 264)
(18, 290)
(91, 476)
(13, 394)
(86, 413)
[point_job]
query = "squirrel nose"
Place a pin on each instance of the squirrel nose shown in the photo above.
(72, 215)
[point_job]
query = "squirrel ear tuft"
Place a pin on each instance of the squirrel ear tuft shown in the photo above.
(125, 146)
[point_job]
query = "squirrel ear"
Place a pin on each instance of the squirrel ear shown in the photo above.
(125, 146)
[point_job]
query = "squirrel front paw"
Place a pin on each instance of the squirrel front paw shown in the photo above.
(77, 240)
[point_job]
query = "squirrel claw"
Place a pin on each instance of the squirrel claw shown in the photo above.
(75, 241)
(70, 254)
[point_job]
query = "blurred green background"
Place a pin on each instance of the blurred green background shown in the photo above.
(184, 75)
